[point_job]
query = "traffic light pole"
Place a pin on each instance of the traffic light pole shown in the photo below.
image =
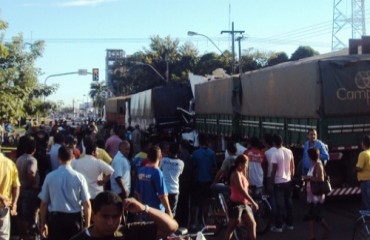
(67, 73)
(79, 72)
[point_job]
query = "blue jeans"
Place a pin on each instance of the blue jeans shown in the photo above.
(284, 204)
(173, 198)
(365, 193)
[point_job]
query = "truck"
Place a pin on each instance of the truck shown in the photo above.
(329, 93)
(154, 110)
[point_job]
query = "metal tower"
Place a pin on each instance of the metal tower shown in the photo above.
(356, 22)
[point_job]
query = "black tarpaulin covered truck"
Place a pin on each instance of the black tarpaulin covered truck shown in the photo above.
(155, 109)
(330, 94)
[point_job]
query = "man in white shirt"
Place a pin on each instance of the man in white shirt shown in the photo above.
(268, 155)
(121, 177)
(96, 172)
(281, 180)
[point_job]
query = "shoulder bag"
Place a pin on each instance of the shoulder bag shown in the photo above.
(319, 188)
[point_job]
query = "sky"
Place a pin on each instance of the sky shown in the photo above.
(77, 33)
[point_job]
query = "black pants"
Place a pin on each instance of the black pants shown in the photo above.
(63, 226)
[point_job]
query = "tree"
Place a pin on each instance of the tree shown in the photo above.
(18, 75)
(303, 52)
(98, 92)
(277, 58)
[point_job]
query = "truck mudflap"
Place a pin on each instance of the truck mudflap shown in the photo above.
(344, 191)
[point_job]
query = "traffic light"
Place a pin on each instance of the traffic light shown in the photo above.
(95, 74)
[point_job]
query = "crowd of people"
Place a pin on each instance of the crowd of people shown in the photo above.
(87, 182)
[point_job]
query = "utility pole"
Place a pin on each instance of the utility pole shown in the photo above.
(232, 32)
(240, 54)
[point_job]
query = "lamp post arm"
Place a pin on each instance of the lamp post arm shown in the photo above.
(155, 70)
(59, 74)
(214, 44)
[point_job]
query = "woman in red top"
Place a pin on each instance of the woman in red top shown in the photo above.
(241, 203)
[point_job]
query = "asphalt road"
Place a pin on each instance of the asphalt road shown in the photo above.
(339, 213)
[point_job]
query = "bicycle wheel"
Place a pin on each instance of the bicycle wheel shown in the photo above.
(212, 215)
(263, 217)
(361, 230)
(240, 233)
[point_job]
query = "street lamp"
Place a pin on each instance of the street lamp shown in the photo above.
(155, 70)
(191, 33)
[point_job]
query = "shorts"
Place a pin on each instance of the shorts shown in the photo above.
(27, 206)
(237, 209)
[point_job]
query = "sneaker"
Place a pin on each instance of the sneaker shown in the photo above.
(276, 229)
(289, 227)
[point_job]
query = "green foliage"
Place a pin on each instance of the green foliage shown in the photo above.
(98, 91)
(277, 58)
(303, 52)
(18, 76)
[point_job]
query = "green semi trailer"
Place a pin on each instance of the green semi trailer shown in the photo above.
(328, 93)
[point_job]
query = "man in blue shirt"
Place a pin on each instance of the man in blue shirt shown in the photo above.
(204, 162)
(58, 142)
(313, 142)
(151, 188)
(62, 193)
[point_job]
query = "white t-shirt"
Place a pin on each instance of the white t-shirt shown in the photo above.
(172, 169)
(92, 169)
(268, 155)
(240, 149)
(282, 157)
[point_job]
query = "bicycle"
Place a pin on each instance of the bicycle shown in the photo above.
(182, 233)
(240, 231)
(361, 229)
(212, 214)
(263, 215)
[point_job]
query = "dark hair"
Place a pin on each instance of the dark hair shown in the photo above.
(313, 154)
(70, 140)
(123, 143)
(115, 130)
(100, 143)
(26, 145)
(30, 145)
(90, 145)
(239, 160)
(174, 148)
(58, 138)
(184, 144)
(231, 147)
(268, 139)
(366, 141)
(202, 138)
(164, 146)
(65, 153)
(277, 140)
(21, 145)
(154, 153)
(106, 198)
(254, 142)
(311, 130)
